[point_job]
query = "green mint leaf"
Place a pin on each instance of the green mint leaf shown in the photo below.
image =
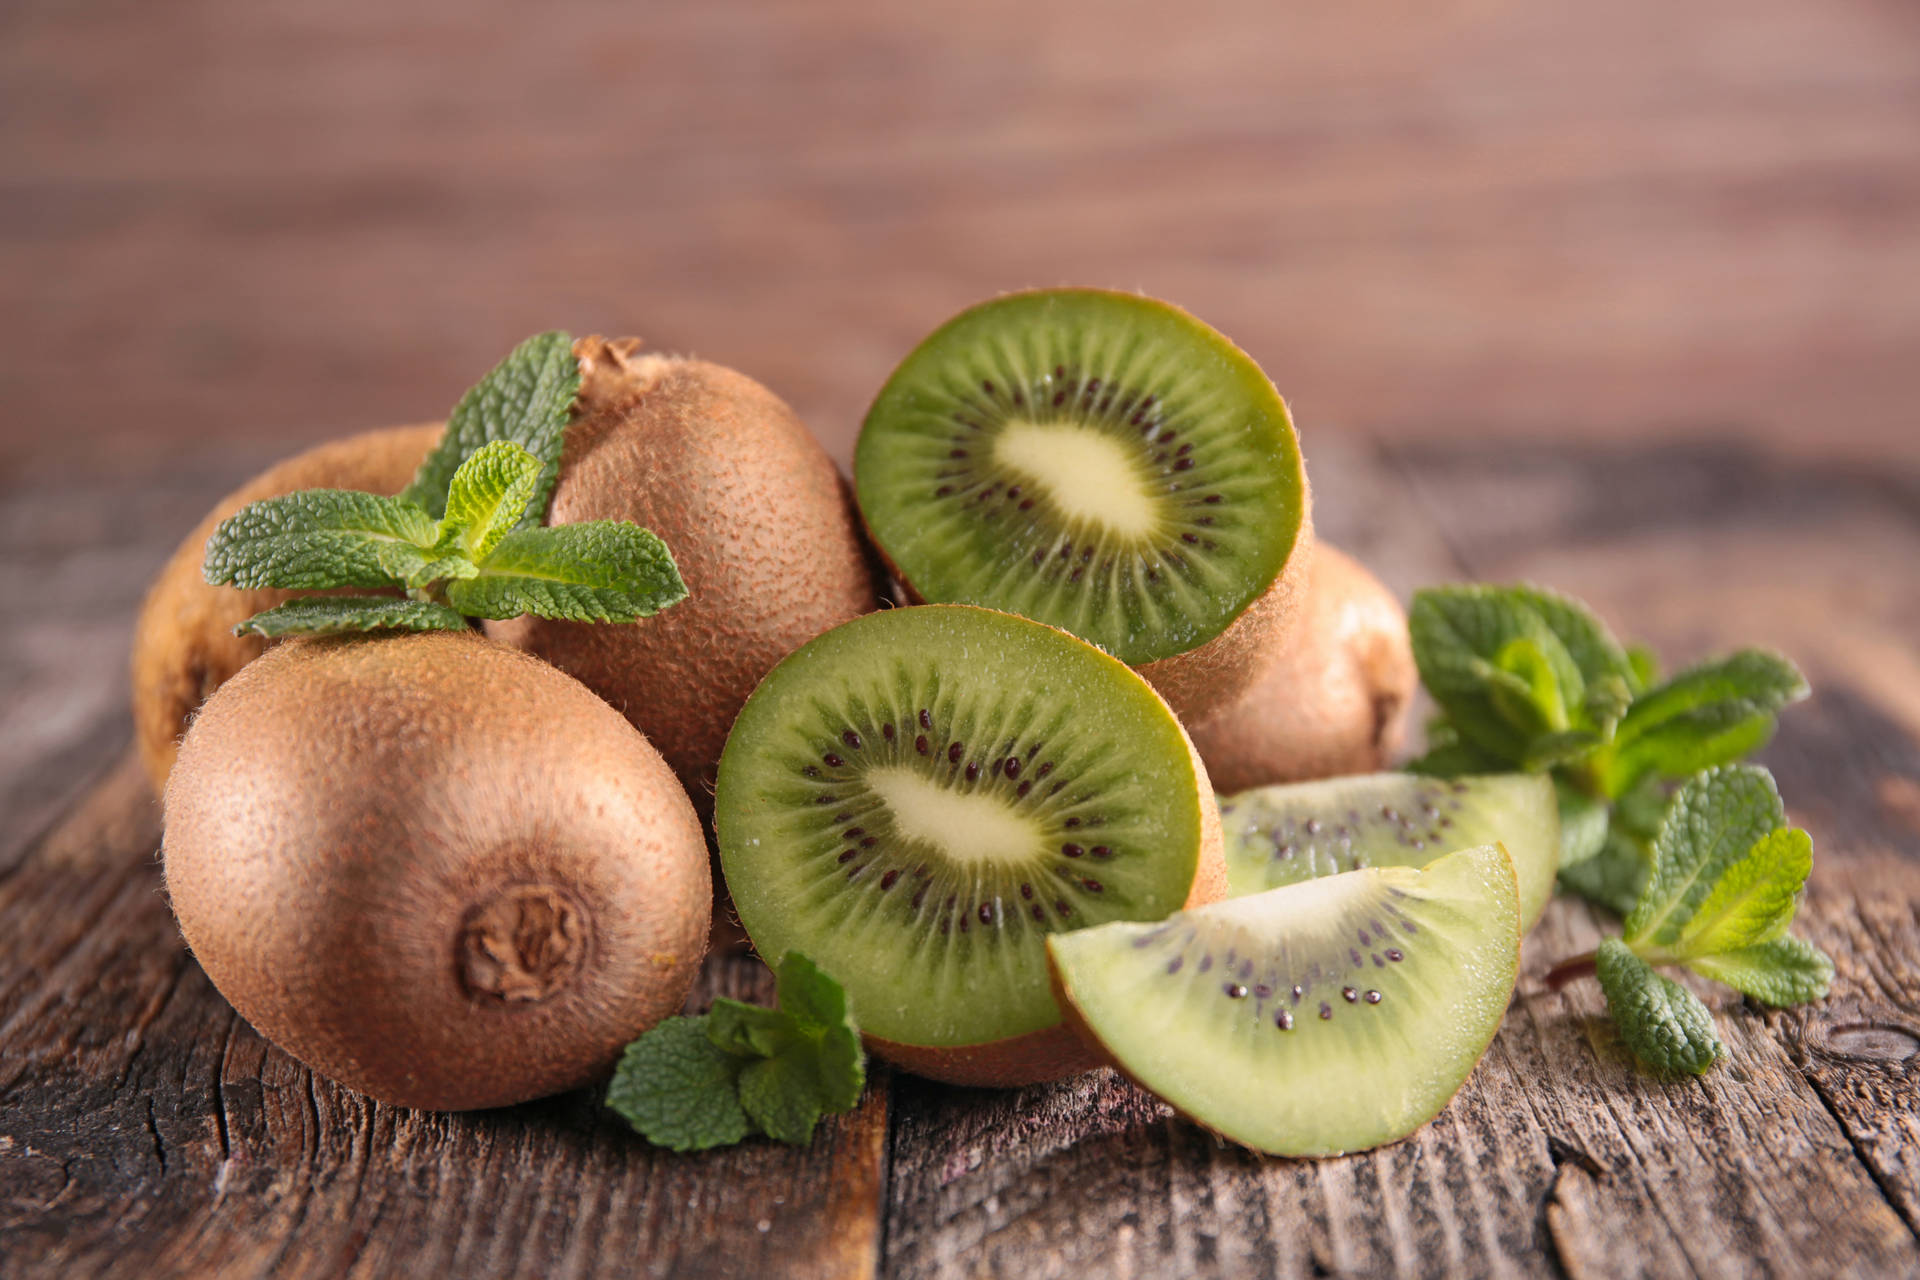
(603, 571)
(487, 499)
(1781, 971)
(525, 399)
(1608, 698)
(1661, 1022)
(1716, 818)
(1640, 811)
(1584, 637)
(319, 614)
(1448, 756)
(1611, 878)
(679, 1089)
(318, 538)
(1551, 749)
(1646, 667)
(819, 1066)
(1502, 675)
(1708, 715)
(1753, 901)
(1583, 823)
(454, 565)
(749, 1030)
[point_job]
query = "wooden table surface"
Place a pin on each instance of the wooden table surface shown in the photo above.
(1624, 299)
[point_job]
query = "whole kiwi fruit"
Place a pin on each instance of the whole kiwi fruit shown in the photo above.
(183, 644)
(1330, 700)
(433, 868)
(760, 524)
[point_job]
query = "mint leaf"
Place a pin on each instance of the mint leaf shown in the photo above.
(602, 571)
(1584, 637)
(1583, 823)
(318, 538)
(1781, 971)
(1646, 667)
(748, 1030)
(315, 614)
(1661, 1022)
(1715, 819)
(488, 496)
(1710, 714)
(679, 1089)
(1612, 877)
(525, 399)
(1511, 684)
(818, 1066)
(1752, 902)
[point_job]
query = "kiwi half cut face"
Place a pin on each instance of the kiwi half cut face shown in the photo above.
(1328, 1016)
(1099, 461)
(919, 798)
(1284, 834)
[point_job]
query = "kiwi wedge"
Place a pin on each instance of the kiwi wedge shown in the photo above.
(1284, 834)
(1319, 1018)
(1102, 462)
(919, 798)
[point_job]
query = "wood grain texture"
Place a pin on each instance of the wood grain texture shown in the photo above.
(238, 219)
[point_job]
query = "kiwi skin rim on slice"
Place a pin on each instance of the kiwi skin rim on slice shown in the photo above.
(1071, 1018)
(1053, 1051)
(1201, 680)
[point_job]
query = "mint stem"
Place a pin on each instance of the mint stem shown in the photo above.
(1580, 966)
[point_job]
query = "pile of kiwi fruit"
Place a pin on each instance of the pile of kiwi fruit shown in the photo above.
(954, 731)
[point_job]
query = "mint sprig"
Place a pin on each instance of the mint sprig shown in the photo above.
(709, 1081)
(1530, 679)
(465, 539)
(1726, 877)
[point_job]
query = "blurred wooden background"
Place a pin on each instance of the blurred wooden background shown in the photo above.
(240, 225)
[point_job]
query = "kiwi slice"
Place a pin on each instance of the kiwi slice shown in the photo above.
(1284, 834)
(1099, 461)
(918, 798)
(1328, 1016)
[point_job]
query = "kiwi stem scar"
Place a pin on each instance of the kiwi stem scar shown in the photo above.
(1570, 970)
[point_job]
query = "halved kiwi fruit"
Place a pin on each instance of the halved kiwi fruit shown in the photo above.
(919, 798)
(1102, 462)
(1284, 834)
(1319, 1018)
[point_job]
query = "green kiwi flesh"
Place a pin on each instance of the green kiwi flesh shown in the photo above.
(1099, 461)
(1323, 1017)
(1284, 834)
(918, 798)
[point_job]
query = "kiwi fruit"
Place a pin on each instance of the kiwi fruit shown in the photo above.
(918, 799)
(1331, 700)
(1285, 834)
(1104, 463)
(1319, 1018)
(183, 644)
(758, 520)
(433, 868)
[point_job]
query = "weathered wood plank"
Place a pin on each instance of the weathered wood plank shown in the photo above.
(146, 1129)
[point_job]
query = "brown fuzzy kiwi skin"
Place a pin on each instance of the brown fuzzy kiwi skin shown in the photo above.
(1331, 700)
(183, 644)
(1097, 1053)
(1055, 1052)
(1203, 680)
(757, 518)
(433, 868)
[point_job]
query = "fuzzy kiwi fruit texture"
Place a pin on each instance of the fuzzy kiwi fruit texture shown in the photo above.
(1101, 462)
(433, 868)
(1284, 834)
(1318, 1018)
(919, 798)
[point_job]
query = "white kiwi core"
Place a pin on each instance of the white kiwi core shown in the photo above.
(966, 826)
(1090, 475)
